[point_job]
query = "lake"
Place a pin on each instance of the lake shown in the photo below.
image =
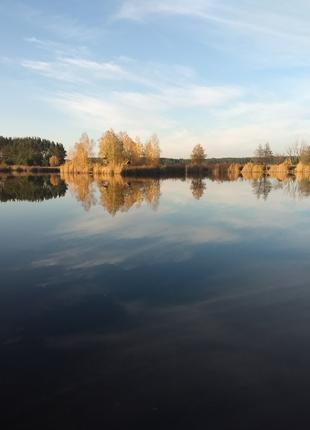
(147, 304)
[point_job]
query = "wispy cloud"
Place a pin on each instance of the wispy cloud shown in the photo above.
(98, 114)
(224, 73)
(237, 119)
(57, 48)
(181, 97)
(138, 9)
(76, 69)
(285, 22)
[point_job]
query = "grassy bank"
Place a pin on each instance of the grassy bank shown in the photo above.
(28, 169)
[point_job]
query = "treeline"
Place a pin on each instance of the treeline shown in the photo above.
(299, 152)
(31, 151)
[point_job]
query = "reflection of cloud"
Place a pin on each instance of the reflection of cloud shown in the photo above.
(128, 241)
(230, 215)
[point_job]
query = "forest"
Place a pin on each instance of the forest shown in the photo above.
(31, 151)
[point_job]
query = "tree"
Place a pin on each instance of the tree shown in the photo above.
(82, 150)
(111, 148)
(295, 151)
(152, 151)
(264, 154)
(132, 149)
(268, 154)
(79, 156)
(305, 155)
(259, 153)
(198, 155)
(53, 161)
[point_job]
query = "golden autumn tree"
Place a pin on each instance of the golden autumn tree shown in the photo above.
(198, 155)
(152, 151)
(132, 149)
(79, 156)
(53, 161)
(111, 148)
(305, 154)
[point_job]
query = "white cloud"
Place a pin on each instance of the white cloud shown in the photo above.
(180, 97)
(232, 120)
(262, 17)
(98, 114)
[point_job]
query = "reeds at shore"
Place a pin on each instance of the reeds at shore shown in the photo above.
(230, 171)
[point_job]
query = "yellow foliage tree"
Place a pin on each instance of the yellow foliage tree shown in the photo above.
(79, 156)
(53, 161)
(111, 149)
(152, 151)
(198, 154)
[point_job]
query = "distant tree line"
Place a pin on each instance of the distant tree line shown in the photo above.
(299, 152)
(295, 153)
(31, 151)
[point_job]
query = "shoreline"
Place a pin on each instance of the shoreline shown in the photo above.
(29, 169)
(231, 170)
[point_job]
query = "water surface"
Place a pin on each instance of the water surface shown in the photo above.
(148, 304)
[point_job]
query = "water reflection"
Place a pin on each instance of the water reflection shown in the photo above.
(198, 187)
(81, 187)
(31, 188)
(117, 194)
(262, 187)
(294, 187)
(195, 309)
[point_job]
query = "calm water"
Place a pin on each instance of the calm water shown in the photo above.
(147, 305)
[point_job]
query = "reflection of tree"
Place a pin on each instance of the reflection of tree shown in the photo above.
(234, 171)
(151, 193)
(299, 187)
(198, 187)
(81, 187)
(112, 194)
(120, 195)
(304, 188)
(295, 187)
(31, 188)
(116, 193)
(55, 180)
(262, 187)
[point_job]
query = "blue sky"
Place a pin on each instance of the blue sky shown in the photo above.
(228, 74)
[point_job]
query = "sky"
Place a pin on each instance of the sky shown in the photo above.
(228, 74)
